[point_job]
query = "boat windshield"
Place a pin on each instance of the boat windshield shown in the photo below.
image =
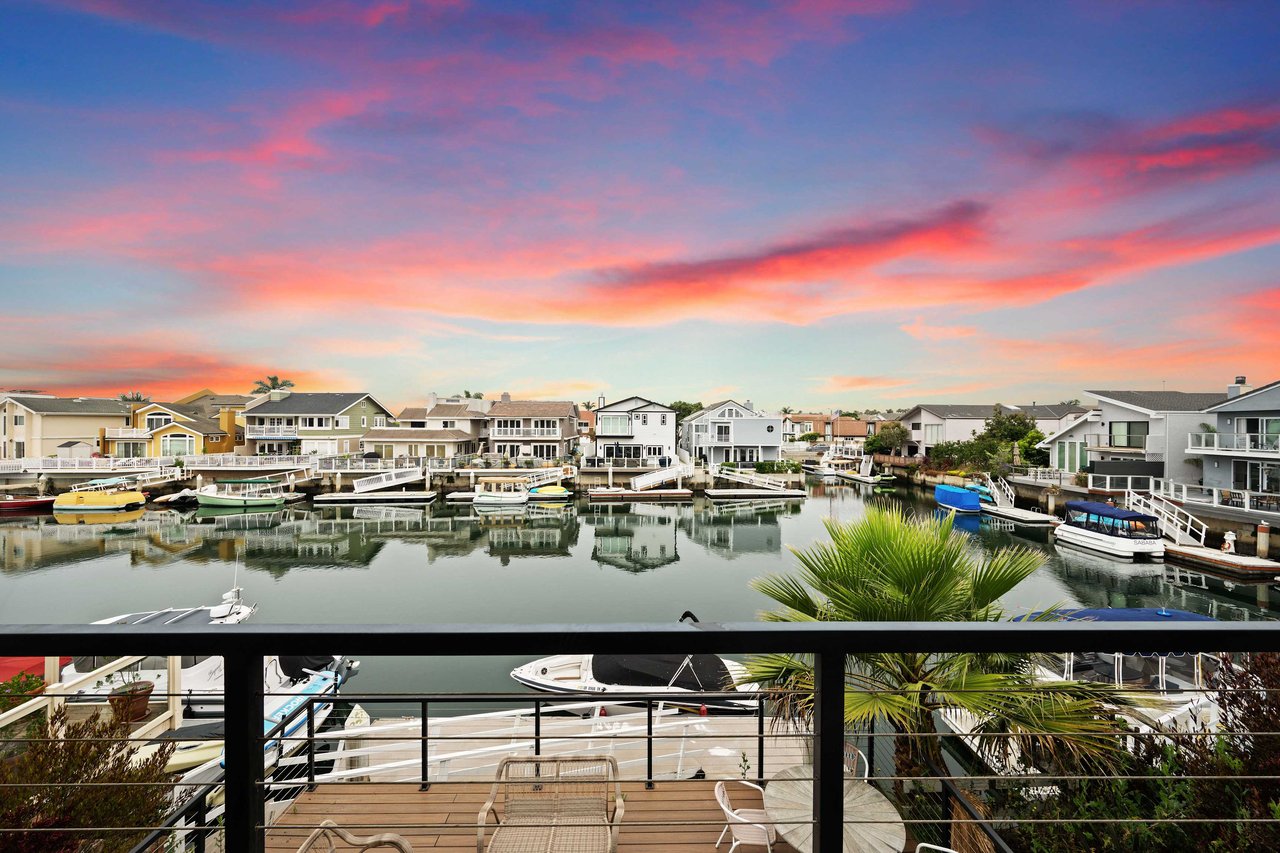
(1173, 673)
(1140, 527)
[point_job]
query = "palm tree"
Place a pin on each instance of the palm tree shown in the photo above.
(271, 383)
(470, 395)
(134, 397)
(588, 405)
(887, 567)
(786, 410)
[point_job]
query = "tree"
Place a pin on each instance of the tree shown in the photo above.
(886, 567)
(588, 405)
(890, 437)
(786, 410)
(1029, 453)
(135, 397)
(1074, 401)
(1007, 427)
(271, 383)
(683, 409)
(35, 792)
(473, 395)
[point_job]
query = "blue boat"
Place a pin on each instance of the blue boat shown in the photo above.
(957, 499)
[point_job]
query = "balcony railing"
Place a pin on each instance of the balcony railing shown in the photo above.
(1105, 441)
(1243, 499)
(523, 432)
(1234, 442)
(1120, 483)
(931, 803)
(270, 431)
(128, 432)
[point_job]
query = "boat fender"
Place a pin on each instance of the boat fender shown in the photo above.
(702, 710)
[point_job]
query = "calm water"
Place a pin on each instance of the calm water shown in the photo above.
(577, 563)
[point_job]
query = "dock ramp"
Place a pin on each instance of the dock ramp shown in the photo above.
(759, 481)
(664, 475)
(1176, 523)
(387, 479)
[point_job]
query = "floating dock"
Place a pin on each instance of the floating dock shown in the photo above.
(1028, 517)
(632, 495)
(1240, 565)
(374, 498)
(754, 494)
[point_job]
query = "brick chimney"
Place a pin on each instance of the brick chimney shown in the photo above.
(506, 397)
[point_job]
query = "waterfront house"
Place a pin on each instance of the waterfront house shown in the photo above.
(288, 422)
(729, 431)
(546, 429)
(1242, 451)
(850, 433)
(37, 425)
(1132, 433)
(444, 427)
(930, 424)
(635, 432)
(797, 424)
(173, 429)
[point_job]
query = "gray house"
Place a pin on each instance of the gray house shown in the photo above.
(1244, 453)
(729, 431)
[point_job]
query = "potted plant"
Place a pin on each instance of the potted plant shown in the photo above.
(130, 695)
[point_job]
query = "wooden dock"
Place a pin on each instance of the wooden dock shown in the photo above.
(368, 498)
(632, 495)
(1241, 565)
(1029, 517)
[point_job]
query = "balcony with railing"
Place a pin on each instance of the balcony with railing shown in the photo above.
(525, 432)
(1235, 443)
(1266, 503)
(424, 764)
(1116, 443)
(279, 431)
(128, 432)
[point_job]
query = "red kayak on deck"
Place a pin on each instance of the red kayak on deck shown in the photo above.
(14, 503)
(9, 667)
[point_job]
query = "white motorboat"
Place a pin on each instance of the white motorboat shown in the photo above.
(667, 678)
(1110, 530)
(501, 491)
(865, 473)
(258, 493)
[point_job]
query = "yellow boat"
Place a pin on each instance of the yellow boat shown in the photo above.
(112, 495)
(550, 493)
(99, 517)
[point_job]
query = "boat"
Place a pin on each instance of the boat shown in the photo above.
(664, 677)
(956, 499)
(550, 493)
(259, 493)
(501, 491)
(22, 503)
(109, 495)
(99, 517)
(1111, 530)
(865, 473)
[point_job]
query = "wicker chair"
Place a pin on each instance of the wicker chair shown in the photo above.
(328, 829)
(559, 804)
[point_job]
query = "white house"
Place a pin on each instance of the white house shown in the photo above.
(35, 425)
(1133, 432)
(930, 424)
(448, 426)
(635, 432)
(729, 431)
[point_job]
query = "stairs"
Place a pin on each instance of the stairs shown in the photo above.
(664, 475)
(1001, 492)
(760, 481)
(546, 476)
(1175, 522)
(387, 479)
(158, 476)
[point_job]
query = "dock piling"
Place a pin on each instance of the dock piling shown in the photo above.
(1264, 540)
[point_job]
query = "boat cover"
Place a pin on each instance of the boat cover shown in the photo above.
(295, 666)
(954, 497)
(706, 672)
(1121, 614)
(1107, 511)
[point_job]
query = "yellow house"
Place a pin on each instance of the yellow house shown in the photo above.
(174, 429)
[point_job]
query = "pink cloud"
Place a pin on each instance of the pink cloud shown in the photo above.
(921, 330)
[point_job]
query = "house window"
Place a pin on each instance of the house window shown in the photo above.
(663, 420)
(731, 412)
(544, 424)
(379, 421)
(613, 425)
(915, 426)
(722, 432)
(386, 451)
(546, 451)
(418, 424)
(130, 449)
(932, 433)
(699, 428)
(1132, 434)
(19, 420)
(343, 422)
(644, 420)
(19, 449)
(154, 422)
(653, 450)
(448, 424)
(364, 421)
(177, 445)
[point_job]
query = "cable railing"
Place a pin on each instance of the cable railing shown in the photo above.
(394, 767)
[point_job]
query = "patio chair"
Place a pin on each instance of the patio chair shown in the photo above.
(745, 826)
(553, 804)
(328, 829)
(922, 846)
(853, 760)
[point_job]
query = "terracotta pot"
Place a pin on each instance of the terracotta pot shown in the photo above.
(129, 701)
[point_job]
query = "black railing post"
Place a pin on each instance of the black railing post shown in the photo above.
(426, 746)
(311, 743)
(828, 753)
(201, 816)
(648, 745)
(760, 739)
(246, 810)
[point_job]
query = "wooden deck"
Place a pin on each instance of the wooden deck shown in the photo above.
(678, 817)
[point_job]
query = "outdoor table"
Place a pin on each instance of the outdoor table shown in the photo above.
(788, 800)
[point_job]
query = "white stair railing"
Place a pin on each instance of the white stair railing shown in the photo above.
(657, 478)
(1175, 522)
(546, 476)
(394, 477)
(753, 479)
(1001, 492)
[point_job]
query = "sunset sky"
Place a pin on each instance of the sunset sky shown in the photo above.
(812, 203)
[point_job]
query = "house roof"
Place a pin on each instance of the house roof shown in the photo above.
(631, 404)
(416, 434)
(309, 403)
(75, 444)
(1071, 425)
(196, 419)
(534, 409)
(1162, 401)
(706, 410)
(848, 427)
(984, 410)
(1222, 404)
(441, 410)
(74, 405)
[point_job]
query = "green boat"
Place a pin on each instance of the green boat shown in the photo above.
(260, 493)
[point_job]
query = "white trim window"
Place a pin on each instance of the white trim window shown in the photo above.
(448, 425)
(379, 421)
(177, 445)
(155, 420)
(343, 422)
(364, 421)
(723, 432)
(19, 420)
(663, 420)
(654, 450)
